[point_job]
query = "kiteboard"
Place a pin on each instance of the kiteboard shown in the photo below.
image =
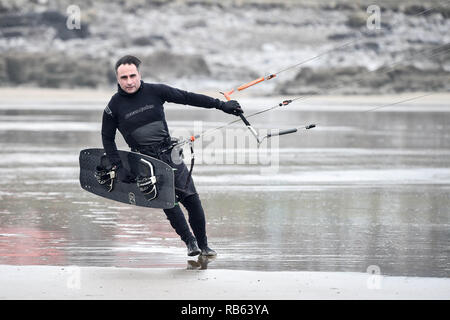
(156, 188)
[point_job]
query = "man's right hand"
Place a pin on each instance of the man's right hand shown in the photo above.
(231, 107)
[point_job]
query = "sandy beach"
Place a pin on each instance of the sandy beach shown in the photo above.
(119, 255)
(58, 282)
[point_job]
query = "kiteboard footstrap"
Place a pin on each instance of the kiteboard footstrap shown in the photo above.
(147, 184)
(105, 177)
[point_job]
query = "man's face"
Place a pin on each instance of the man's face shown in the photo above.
(128, 78)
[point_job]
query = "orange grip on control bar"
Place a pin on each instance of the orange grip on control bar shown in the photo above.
(228, 94)
(245, 86)
(251, 83)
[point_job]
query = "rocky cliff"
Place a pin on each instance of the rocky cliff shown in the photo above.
(337, 46)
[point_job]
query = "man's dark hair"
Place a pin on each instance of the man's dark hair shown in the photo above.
(128, 59)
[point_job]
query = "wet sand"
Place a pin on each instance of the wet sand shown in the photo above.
(56, 282)
(363, 189)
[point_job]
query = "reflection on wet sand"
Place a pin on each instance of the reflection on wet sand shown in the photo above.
(200, 264)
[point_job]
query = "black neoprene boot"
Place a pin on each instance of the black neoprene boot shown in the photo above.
(192, 248)
(207, 251)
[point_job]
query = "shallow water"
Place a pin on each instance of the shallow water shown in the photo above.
(359, 190)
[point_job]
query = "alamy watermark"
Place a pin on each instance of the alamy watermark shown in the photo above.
(73, 17)
(230, 146)
(374, 281)
(374, 19)
(73, 280)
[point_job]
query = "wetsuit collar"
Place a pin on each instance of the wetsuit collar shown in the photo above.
(124, 93)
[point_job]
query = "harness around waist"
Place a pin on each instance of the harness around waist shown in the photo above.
(156, 149)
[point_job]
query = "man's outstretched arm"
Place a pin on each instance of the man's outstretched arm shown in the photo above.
(175, 95)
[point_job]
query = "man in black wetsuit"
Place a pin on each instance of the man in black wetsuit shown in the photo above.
(136, 110)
